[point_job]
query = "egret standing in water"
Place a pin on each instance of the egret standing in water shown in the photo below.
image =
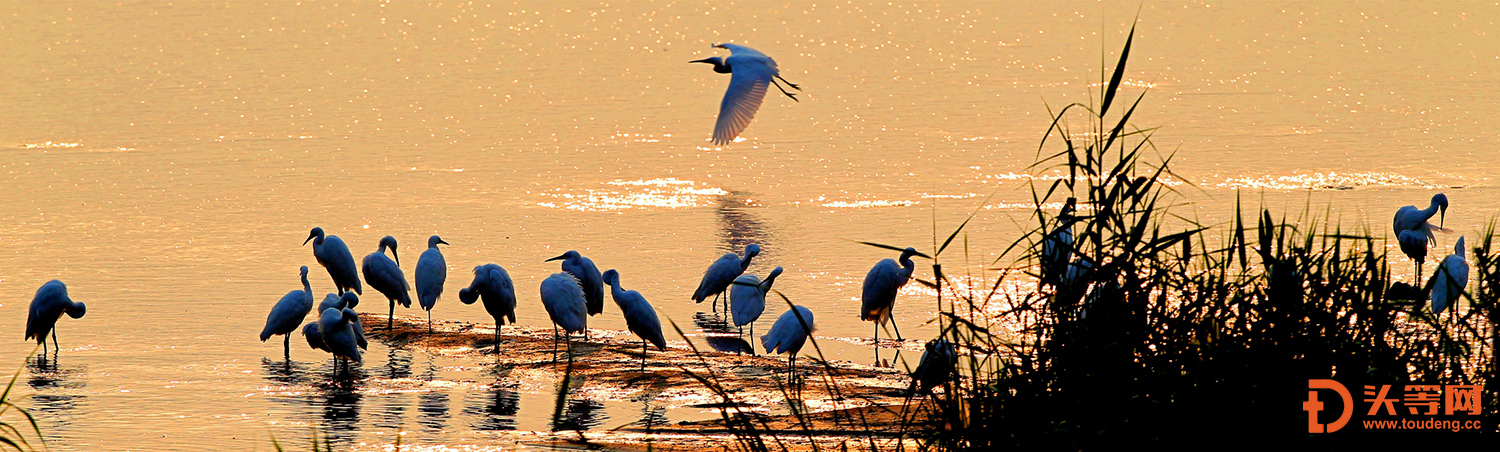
(386, 277)
(789, 333)
(722, 273)
(432, 271)
(589, 279)
(493, 284)
(337, 333)
(1451, 278)
(1414, 244)
(751, 72)
(49, 304)
(288, 313)
(880, 288)
(563, 299)
(639, 316)
(747, 298)
(935, 368)
(335, 257)
(1412, 219)
(340, 302)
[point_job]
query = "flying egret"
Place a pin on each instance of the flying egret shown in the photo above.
(588, 277)
(639, 316)
(880, 288)
(335, 328)
(385, 276)
(563, 299)
(432, 271)
(747, 298)
(347, 300)
(751, 72)
(1451, 278)
(722, 273)
(288, 313)
(335, 257)
(493, 284)
(1414, 244)
(789, 333)
(49, 304)
(935, 368)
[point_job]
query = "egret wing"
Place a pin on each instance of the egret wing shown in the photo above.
(747, 88)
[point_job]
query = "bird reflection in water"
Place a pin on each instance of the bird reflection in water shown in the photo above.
(340, 396)
(720, 334)
(398, 364)
(492, 410)
(59, 391)
(432, 406)
(579, 415)
(286, 373)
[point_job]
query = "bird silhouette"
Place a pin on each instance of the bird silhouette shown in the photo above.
(1450, 279)
(492, 284)
(722, 273)
(334, 256)
(334, 327)
(639, 316)
(49, 304)
(288, 313)
(563, 299)
(789, 333)
(751, 71)
(432, 271)
(385, 276)
(881, 285)
(589, 279)
(747, 298)
(935, 368)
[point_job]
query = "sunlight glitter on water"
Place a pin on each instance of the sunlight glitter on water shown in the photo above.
(1324, 181)
(620, 195)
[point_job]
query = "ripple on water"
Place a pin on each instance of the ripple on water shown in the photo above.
(1331, 180)
(621, 195)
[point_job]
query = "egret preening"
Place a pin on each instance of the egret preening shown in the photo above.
(1057, 247)
(880, 288)
(493, 284)
(1410, 218)
(563, 299)
(288, 313)
(385, 276)
(935, 368)
(49, 304)
(1451, 278)
(722, 273)
(335, 328)
(314, 337)
(432, 271)
(789, 333)
(751, 72)
(335, 257)
(639, 316)
(588, 277)
(340, 302)
(747, 298)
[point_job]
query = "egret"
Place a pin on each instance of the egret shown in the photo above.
(1057, 246)
(639, 316)
(432, 271)
(386, 277)
(880, 288)
(747, 298)
(314, 337)
(494, 284)
(335, 328)
(588, 277)
(49, 304)
(288, 313)
(751, 72)
(722, 273)
(335, 257)
(789, 333)
(935, 368)
(1414, 244)
(563, 299)
(1410, 218)
(1451, 278)
(348, 300)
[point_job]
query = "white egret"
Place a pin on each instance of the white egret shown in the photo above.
(722, 273)
(747, 298)
(334, 256)
(880, 288)
(1057, 246)
(493, 284)
(751, 72)
(432, 271)
(640, 317)
(338, 335)
(589, 279)
(346, 301)
(1410, 218)
(385, 276)
(49, 304)
(314, 337)
(789, 333)
(935, 368)
(563, 299)
(288, 313)
(1414, 244)
(1451, 278)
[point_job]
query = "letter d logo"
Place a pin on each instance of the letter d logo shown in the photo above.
(1313, 406)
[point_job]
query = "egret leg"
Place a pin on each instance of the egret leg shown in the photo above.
(390, 319)
(643, 354)
(554, 343)
(497, 339)
(783, 90)
(429, 324)
(894, 327)
(793, 85)
(55, 347)
(877, 343)
(287, 347)
(716, 303)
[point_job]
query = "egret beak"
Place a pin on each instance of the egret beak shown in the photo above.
(919, 254)
(309, 239)
(444, 243)
(558, 258)
(398, 258)
(1442, 212)
(705, 60)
